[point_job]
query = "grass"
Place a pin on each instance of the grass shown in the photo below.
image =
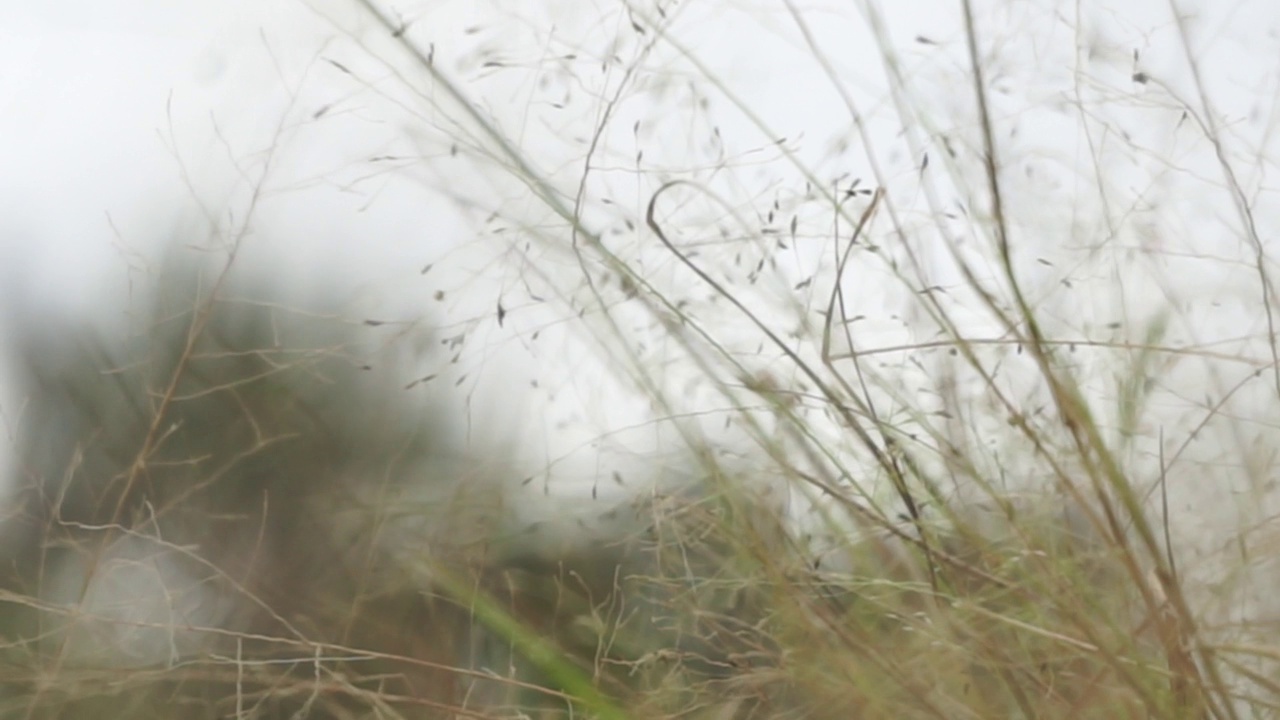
(926, 475)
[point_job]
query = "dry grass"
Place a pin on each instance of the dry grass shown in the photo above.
(960, 526)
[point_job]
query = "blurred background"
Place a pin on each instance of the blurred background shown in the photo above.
(503, 195)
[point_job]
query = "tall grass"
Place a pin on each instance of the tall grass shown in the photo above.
(942, 445)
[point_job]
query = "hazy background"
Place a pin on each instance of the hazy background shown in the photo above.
(128, 125)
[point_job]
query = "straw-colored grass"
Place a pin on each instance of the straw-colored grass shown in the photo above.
(240, 512)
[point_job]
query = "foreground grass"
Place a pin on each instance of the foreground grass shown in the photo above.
(989, 548)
